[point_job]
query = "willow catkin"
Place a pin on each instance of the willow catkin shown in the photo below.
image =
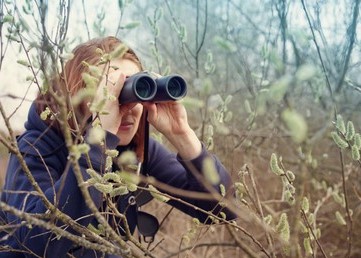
(340, 124)
(210, 172)
(120, 190)
(274, 165)
(350, 131)
(283, 227)
(339, 218)
(305, 205)
(104, 188)
(157, 194)
(357, 140)
(355, 153)
(341, 143)
(307, 245)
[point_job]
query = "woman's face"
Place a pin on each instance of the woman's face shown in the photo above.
(132, 112)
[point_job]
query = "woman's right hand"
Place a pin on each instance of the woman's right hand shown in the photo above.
(112, 118)
(113, 81)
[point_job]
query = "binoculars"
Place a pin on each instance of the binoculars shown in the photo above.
(143, 87)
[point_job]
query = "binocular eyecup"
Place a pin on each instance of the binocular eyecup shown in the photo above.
(141, 87)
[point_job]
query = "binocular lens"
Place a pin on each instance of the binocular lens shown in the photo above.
(143, 88)
(175, 88)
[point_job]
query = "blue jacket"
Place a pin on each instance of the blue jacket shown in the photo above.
(46, 156)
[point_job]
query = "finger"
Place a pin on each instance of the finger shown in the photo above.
(115, 84)
(152, 111)
(118, 86)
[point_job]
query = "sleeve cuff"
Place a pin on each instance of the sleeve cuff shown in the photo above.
(196, 162)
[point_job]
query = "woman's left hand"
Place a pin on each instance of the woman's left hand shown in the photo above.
(170, 119)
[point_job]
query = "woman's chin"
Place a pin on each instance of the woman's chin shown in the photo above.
(125, 138)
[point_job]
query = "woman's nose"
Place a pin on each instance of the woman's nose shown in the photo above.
(127, 107)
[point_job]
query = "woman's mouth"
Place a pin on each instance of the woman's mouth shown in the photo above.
(126, 126)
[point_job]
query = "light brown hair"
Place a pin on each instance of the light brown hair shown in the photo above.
(69, 82)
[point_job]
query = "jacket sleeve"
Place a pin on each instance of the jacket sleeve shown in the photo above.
(59, 184)
(169, 168)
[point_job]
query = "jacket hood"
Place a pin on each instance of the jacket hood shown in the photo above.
(37, 132)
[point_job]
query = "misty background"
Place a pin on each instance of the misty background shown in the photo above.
(271, 78)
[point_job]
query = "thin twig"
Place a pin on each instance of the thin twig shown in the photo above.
(31, 220)
(200, 246)
(259, 206)
(318, 52)
(350, 222)
(85, 19)
(352, 38)
(312, 232)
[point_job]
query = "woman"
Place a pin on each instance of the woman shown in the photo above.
(45, 151)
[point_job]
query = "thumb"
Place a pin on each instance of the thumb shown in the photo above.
(117, 87)
(152, 111)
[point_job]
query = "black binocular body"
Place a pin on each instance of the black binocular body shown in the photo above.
(143, 87)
